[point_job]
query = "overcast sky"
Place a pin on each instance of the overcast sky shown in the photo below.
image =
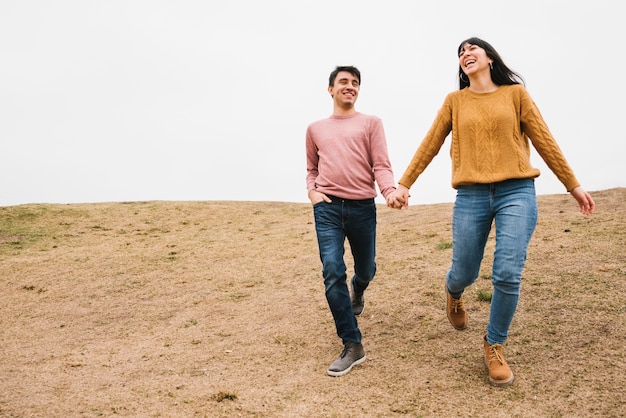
(134, 100)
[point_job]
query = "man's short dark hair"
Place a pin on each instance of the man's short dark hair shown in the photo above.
(348, 68)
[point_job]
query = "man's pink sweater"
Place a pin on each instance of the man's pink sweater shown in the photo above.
(346, 155)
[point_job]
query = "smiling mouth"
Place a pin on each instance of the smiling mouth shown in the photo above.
(469, 62)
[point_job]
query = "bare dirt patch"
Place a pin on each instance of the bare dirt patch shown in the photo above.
(211, 309)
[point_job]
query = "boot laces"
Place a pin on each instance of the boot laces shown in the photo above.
(457, 304)
(494, 354)
(346, 349)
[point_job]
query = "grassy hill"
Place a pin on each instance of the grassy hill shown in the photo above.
(194, 309)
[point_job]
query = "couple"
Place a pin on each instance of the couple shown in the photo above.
(491, 118)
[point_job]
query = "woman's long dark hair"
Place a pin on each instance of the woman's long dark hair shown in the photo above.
(500, 73)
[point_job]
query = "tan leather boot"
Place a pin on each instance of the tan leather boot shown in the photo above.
(457, 315)
(500, 373)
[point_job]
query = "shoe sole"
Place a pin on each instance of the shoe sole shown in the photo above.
(502, 383)
(499, 383)
(346, 371)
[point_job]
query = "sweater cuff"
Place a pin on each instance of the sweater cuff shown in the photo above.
(385, 192)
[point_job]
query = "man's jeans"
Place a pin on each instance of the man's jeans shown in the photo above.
(513, 205)
(334, 222)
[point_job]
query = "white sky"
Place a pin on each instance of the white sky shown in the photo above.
(133, 100)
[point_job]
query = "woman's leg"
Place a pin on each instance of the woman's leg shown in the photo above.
(515, 205)
(471, 223)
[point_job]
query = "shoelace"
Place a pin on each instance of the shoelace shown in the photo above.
(346, 350)
(457, 304)
(494, 354)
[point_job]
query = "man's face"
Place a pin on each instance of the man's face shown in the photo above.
(345, 90)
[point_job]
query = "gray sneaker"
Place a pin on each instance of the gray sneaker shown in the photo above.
(351, 355)
(358, 301)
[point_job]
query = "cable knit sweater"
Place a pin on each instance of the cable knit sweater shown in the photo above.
(490, 139)
(346, 155)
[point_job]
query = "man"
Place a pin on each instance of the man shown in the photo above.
(346, 155)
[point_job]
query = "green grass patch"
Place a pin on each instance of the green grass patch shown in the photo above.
(444, 245)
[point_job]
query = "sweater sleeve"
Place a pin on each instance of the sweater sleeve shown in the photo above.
(430, 145)
(312, 160)
(381, 165)
(534, 126)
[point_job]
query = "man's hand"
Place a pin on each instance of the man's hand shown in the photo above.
(316, 197)
(399, 198)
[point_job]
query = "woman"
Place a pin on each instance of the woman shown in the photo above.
(491, 117)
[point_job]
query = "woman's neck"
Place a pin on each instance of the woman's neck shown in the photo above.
(482, 84)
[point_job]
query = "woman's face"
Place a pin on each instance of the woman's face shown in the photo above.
(473, 59)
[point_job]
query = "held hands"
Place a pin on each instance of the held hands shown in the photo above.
(399, 198)
(586, 203)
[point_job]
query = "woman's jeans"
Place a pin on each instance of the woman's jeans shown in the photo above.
(334, 222)
(513, 205)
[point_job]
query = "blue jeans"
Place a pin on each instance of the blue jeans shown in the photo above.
(513, 206)
(334, 222)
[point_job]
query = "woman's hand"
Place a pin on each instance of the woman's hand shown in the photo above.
(586, 203)
(399, 198)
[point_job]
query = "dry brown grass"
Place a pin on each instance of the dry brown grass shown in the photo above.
(194, 309)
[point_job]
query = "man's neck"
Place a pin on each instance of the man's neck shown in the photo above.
(342, 111)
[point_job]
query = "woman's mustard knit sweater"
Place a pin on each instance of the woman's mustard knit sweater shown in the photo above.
(490, 139)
